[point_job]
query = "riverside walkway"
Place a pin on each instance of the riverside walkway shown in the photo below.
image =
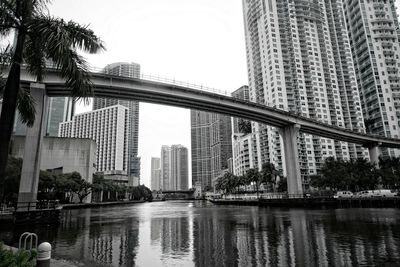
(304, 201)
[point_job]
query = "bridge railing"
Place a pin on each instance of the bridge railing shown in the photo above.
(157, 78)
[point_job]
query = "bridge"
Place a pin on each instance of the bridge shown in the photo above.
(289, 124)
(174, 195)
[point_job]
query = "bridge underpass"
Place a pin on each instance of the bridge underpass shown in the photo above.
(110, 86)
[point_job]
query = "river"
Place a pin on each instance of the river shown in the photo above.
(198, 233)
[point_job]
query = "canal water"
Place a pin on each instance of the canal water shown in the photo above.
(198, 233)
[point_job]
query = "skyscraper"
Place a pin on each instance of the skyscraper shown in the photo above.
(374, 33)
(165, 167)
(131, 70)
(179, 177)
(243, 140)
(299, 60)
(108, 127)
(211, 146)
(60, 109)
(174, 167)
(200, 148)
(155, 174)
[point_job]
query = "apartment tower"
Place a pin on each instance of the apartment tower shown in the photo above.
(211, 146)
(299, 60)
(174, 167)
(131, 70)
(374, 41)
(243, 140)
(155, 174)
(109, 128)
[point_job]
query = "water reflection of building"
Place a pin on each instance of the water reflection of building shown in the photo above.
(97, 239)
(175, 235)
(215, 236)
(295, 238)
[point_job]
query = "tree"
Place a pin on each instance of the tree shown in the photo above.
(269, 175)
(46, 185)
(253, 175)
(227, 182)
(79, 185)
(244, 126)
(39, 37)
(282, 184)
(11, 180)
(389, 172)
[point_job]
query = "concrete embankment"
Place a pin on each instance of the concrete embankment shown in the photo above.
(100, 204)
(321, 202)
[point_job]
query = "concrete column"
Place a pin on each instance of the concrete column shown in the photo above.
(289, 136)
(374, 153)
(29, 183)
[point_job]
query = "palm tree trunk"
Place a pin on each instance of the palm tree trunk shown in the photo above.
(9, 107)
(257, 189)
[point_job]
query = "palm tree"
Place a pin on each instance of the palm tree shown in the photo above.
(253, 175)
(40, 37)
(269, 174)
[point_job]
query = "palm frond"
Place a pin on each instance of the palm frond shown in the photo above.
(5, 55)
(34, 55)
(84, 38)
(39, 6)
(59, 43)
(26, 107)
(8, 18)
(71, 33)
(5, 60)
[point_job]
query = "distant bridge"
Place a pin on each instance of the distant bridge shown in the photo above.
(105, 85)
(177, 194)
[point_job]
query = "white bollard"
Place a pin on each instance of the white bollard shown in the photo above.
(43, 255)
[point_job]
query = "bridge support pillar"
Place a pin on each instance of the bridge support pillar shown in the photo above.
(289, 136)
(374, 153)
(29, 183)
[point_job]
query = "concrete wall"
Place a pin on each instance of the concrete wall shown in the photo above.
(70, 154)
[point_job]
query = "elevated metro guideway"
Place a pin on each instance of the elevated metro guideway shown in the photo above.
(289, 124)
(175, 95)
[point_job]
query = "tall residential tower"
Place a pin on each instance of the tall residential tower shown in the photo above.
(131, 70)
(374, 40)
(211, 146)
(174, 167)
(299, 60)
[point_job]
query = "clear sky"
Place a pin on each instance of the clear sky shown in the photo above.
(196, 41)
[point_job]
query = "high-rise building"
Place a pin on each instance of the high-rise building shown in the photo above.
(374, 33)
(174, 167)
(243, 140)
(60, 109)
(131, 70)
(165, 162)
(179, 177)
(155, 174)
(109, 128)
(200, 148)
(299, 60)
(211, 146)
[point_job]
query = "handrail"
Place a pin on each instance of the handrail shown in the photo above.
(37, 205)
(28, 236)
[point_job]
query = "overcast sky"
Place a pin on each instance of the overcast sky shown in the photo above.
(196, 41)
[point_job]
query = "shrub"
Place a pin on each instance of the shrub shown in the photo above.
(21, 258)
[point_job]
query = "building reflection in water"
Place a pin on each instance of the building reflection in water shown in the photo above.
(95, 239)
(261, 237)
(200, 234)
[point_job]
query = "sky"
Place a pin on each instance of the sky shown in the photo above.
(195, 41)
